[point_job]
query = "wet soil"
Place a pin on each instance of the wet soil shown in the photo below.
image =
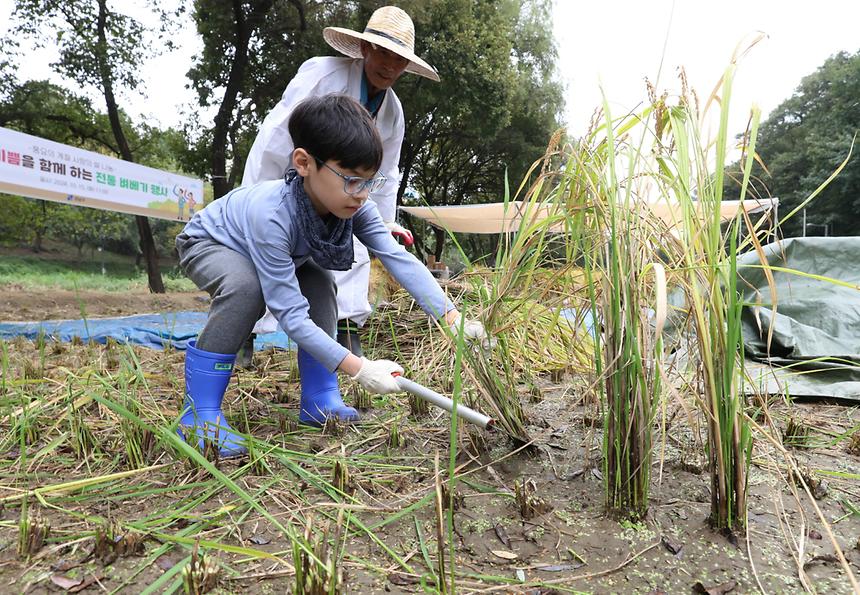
(563, 541)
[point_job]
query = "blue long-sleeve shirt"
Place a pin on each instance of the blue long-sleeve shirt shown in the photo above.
(260, 222)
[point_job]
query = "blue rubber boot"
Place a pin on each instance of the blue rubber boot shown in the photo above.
(320, 393)
(206, 378)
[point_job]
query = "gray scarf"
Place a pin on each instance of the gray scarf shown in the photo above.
(330, 239)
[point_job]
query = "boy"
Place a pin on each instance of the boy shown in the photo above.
(373, 61)
(271, 243)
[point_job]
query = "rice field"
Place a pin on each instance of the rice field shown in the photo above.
(629, 453)
(98, 493)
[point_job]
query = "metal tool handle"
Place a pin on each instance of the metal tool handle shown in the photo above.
(443, 402)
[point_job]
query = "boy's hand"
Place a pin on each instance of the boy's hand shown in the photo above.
(473, 330)
(375, 376)
(400, 233)
(474, 333)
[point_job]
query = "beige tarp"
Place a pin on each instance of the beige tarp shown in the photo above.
(485, 218)
(500, 217)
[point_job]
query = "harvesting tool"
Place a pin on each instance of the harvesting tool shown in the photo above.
(443, 402)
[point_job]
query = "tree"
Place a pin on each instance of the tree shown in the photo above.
(251, 49)
(16, 221)
(103, 49)
(806, 138)
(49, 111)
(43, 109)
(495, 109)
(87, 227)
(493, 112)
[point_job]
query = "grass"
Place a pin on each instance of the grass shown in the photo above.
(115, 275)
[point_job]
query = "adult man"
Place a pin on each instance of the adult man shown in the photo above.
(376, 58)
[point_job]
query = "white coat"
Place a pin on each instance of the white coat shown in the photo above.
(272, 151)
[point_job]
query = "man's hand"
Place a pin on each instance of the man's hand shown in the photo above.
(400, 233)
(375, 376)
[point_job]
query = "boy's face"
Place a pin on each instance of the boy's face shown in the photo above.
(326, 186)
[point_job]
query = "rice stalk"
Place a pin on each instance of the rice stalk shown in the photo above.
(528, 502)
(395, 438)
(321, 573)
(113, 541)
(33, 531)
(709, 258)
(438, 500)
(81, 438)
(4, 367)
(138, 441)
(201, 574)
(630, 353)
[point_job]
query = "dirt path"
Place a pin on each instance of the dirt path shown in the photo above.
(18, 304)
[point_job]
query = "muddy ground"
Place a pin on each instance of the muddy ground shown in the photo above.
(567, 543)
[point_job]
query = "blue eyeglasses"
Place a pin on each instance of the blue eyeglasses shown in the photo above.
(355, 184)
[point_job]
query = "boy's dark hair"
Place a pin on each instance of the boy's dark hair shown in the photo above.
(336, 127)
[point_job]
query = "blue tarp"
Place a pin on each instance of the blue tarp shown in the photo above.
(151, 330)
(158, 330)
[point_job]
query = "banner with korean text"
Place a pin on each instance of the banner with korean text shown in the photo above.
(38, 168)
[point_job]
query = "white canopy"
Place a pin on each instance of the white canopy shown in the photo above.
(499, 217)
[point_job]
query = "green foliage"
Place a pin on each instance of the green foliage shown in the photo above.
(46, 110)
(251, 49)
(83, 227)
(14, 211)
(49, 111)
(495, 109)
(103, 49)
(805, 140)
(493, 112)
(87, 58)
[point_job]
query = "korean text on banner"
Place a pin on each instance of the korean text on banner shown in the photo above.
(39, 168)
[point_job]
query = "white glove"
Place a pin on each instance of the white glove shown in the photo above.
(474, 333)
(375, 376)
(400, 233)
(473, 330)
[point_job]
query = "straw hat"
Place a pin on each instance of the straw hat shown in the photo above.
(388, 27)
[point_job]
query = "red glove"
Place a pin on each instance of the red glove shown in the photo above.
(400, 233)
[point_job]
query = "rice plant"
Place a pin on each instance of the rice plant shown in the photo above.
(796, 433)
(318, 569)
(613, 286)
(112, 541)
(708, 257)
(33, 530)
(395, 438)
(4, 367)
(627, 289)
(598, 199)
(201, 574)
(139, 442)
(81, 437)
(528, 502)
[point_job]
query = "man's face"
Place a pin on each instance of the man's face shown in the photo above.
(382, 67)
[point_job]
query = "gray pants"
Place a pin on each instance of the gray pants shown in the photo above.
(237, 299)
